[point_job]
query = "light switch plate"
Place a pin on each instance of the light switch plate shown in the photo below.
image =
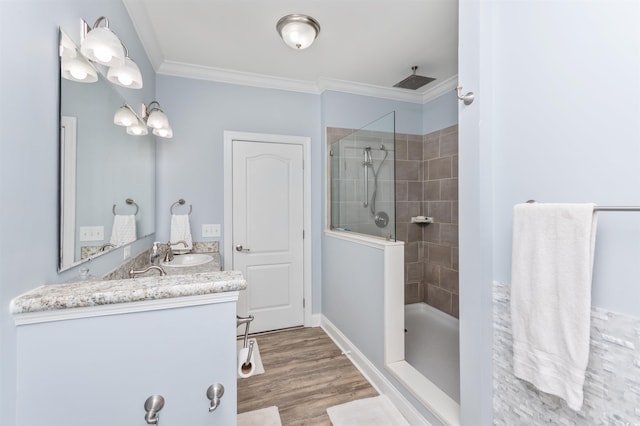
(211, 230)
(91, 233)
(127, 252)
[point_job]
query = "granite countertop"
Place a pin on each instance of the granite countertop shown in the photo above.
(148, 287)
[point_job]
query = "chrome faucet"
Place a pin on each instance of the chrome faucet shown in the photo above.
(133, 273)
(106, 246)
(168, 253)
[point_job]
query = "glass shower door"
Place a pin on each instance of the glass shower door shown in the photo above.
(363, 180)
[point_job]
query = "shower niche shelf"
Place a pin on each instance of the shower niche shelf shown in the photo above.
(422, 219)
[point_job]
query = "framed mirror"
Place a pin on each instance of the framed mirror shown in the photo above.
(107, 177)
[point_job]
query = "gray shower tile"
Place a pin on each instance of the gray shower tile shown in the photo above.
(439, 255)
(454, 258)
(401, 190)
(414, 232)
(448, 130)
(449, 280)
(454, 212)
(414, 271)
(431, 146)
(412, 293)
(408, 170)
(440, 168)
(401, 231)
(455, 305)
(454, 166)
(449, 189)
(431, 232)
(439, 298)
(414, 190)
(414, 148)
(431, 190)
(448, 144)
(440, 211)
(401, 148)
(411, 252)
(449, 234)
(431, 273)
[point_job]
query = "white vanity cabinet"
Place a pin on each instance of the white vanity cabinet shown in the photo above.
(98, 365)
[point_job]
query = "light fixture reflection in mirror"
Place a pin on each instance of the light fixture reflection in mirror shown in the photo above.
(101, 165)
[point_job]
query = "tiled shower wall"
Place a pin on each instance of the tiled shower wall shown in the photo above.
(426, 184)
(431, 250)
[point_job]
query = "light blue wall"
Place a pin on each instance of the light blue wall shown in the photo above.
(190, 165)
(355, 111)
(440, 113)
(29, 152)
(566, 119)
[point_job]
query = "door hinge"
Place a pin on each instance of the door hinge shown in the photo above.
(303, 303)
(303, 234)
(302, 164)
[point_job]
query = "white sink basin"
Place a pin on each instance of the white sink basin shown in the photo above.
(186, 260)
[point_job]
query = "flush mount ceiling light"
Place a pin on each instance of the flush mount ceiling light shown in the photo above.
(298, 31)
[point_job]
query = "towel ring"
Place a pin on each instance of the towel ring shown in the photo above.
(128, 201)
(181, 202)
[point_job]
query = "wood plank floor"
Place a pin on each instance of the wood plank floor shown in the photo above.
(305, 373)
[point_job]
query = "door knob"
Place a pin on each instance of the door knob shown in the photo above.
(239, 248)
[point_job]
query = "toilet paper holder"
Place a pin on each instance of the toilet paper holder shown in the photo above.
(247, 322)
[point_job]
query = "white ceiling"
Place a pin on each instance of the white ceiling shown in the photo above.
(363, 46)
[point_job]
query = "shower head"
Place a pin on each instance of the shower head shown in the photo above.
(414, 81)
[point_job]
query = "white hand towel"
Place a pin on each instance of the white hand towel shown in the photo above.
(552, 265)
(181, 231)
(123, 230)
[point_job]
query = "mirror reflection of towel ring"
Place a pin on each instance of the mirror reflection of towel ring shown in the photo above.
(130, 202)
(181, 202)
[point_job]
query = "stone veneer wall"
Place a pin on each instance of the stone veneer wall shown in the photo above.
(612, 386)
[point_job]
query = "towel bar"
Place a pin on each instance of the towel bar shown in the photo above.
(608, 208)
(128, 201)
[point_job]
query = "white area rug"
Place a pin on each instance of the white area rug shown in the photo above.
(256, 355)
(264, 417)
(376, 411)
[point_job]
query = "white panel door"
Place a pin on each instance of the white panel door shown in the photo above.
(268, 232)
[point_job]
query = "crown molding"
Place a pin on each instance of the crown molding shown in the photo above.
(199, 72)
(221, 75)
(440, 89)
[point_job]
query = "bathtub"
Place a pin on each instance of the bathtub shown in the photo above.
(432, 346)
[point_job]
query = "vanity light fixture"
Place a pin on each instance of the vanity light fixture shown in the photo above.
(125, 116)
(127, 75)
(137, 129)
(298, 31)
(74, 66)
(155, 118)
(101, 45)
(78, 69)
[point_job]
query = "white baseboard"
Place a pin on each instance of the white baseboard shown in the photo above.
(316, 320)
(373, 375)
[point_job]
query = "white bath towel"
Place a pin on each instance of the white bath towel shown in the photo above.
(181, 231)
(123, 230)
(552, 264)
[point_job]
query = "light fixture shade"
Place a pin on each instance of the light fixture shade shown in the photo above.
(101, 45)
(298, 31)
(78, 69)
(165, 132)
(137, 129)
(127, 75)
(157, 119)
(124, 116)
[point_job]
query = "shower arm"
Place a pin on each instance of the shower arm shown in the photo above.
(366, 154)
